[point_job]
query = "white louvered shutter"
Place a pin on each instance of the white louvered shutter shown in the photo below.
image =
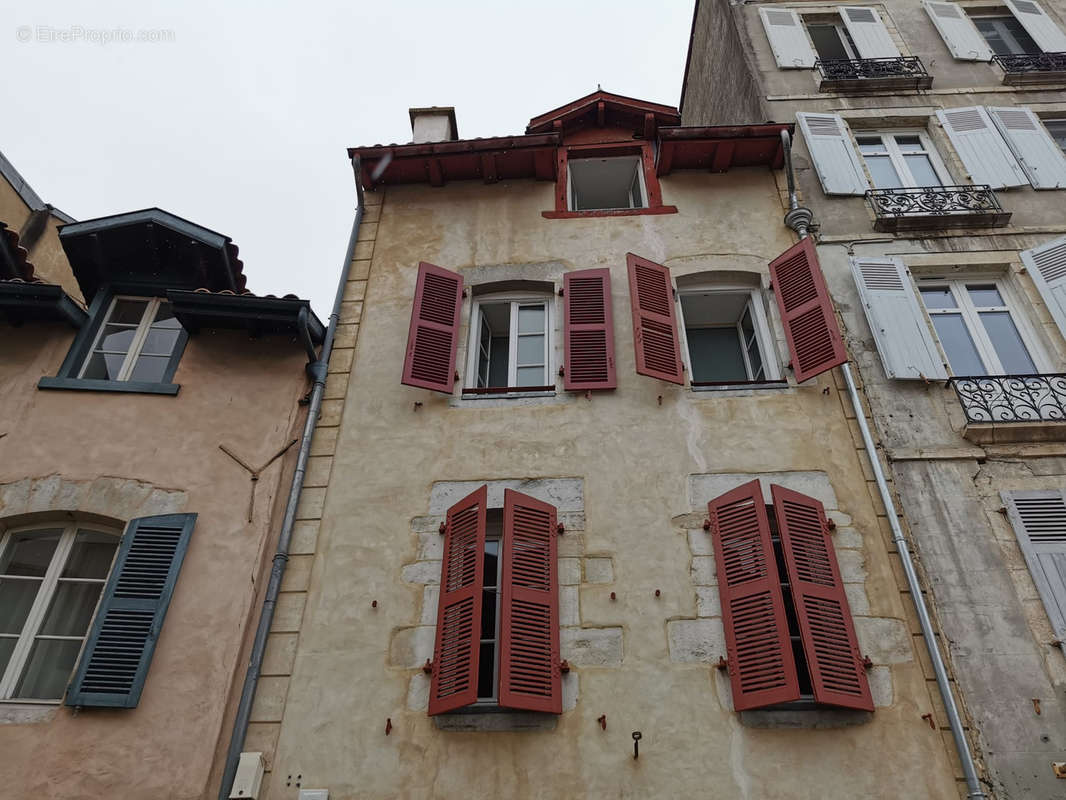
(835, 158)
(1047, 267)
(982, 150)
(788, 38)
(1039, 522)
(868, 32)
(1039, 25)
(958, 31)
(1038, 154)
(899, 327)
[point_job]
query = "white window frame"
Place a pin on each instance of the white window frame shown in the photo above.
(970, 315)
(20, 655)
(139, 336)
(842, 33)
(896, 155)
(771, 368)
(474, 344)
(640, 178)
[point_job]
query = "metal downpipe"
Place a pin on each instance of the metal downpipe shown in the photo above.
(317, 370)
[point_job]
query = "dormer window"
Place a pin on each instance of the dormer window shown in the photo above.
(606, 183)
(136, 342)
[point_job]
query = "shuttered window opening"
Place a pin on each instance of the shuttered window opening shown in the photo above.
(658, 351)
(118, 653)
(788, 40)
(498, 618)
(814, 340)
(958, 31)
(982, 150)
(1039, 25)
(510, 345)
(1036, 151)
(433, 335)
(1039, 522)
(834, 155)
(588, 330)
(788, 628)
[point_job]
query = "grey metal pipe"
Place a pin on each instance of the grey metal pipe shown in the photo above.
(973, 783)
(798, 218)
(317, 370)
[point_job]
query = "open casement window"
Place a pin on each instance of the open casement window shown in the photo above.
(980, 332)
(903, 338)
(588, 330)
(814, 341)
(1042, 29)
(433, 336)
(835, 158)
(498, 616)
(1057, 129)
(987, 158)
(868, 32)
(651, 295)
(726, 339)
(901, 159)
(1047, 268)
(958, 31)
(1039, 522)
(832, 41)
(788, 628)
(1038, 154)
(118, 652)
(784, 30)
(607, 179)
(510, 344)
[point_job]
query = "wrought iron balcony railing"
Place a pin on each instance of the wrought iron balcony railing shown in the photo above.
(905, 72)
(1012, 398)
(936, 207)
(1032, 68)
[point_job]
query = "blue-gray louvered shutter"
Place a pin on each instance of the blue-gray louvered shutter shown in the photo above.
(1038, 154)
(982, 150)
(1047, 267)
(835, 158)
(958, 31)
(1039, 522)
(1047, 35)
(788, 38)
(119, 649)
(868, 32)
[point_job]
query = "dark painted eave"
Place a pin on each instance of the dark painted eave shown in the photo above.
(257, 315)
(153, 215)
(25, 191)
(718, 148)
(21, 301)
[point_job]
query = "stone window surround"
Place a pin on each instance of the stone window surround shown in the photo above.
(582, 647)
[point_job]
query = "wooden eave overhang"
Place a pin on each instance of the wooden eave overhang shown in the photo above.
(605, 110)
(286, 316)
(720, 147)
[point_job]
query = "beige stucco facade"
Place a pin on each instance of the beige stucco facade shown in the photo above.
(108, 457)
(950, 476)
(343, 706)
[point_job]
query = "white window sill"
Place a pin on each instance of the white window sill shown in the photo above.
(732, 387)
(508, 395)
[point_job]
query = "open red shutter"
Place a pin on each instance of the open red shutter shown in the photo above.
(588, 330)
(434, 332)
(828, 635)
(654, 320)
(530, 677)
(814, 341)
(762, 668)
(455, 656)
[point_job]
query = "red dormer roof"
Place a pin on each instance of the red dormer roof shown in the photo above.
(605, 110)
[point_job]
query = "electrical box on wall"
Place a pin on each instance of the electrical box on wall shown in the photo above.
(249, 777)
(314, 794)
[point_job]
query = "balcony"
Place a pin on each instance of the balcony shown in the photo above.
(864, 74)
(1012, 408)
(928, 208)
(1028, 69)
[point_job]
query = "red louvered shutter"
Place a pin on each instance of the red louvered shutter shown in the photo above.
(654, 320)
(455, 655)
(588, 330)
(828, 635)
(814, 341)
(530, 676)
(762, 668)
(434, 333)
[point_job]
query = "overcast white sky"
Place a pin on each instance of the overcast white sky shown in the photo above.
(240, 122)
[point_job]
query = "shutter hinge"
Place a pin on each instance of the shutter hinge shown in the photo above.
(457, 375)
(706, 524)
(464, 292)
(560, 529)
(831, 524)
(867, 662)
(443, 529)
(428, 667)
(722, 663)
(560, 293)
(564, 666)
(562, 371)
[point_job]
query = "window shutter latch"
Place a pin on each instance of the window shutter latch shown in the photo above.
(867, 663)
(428, 667)
(564, 666)
(443, 529)
(560, 529)
(562, 371)
(722, 663)
(707, 525)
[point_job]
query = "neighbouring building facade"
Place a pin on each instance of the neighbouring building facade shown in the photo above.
(929, 147)
(587, 514)
(139, 497)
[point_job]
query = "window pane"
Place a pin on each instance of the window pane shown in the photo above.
(985, 296)
(827, 41)
(91, 555)
(598, 183)
(531, 376)
(883, 173)
(48, 669)
(1018, 36)
(116, 338)
(160, 341)
(128, 311)
(1008, 344)
(938, 298)
(486, 666)
(71, 609)
(962, 354)
(492, 554)
(531, 319)
(164, 318)
(1057, 129)
(7, 646)
(871, 145)
(150, 369)
(922, 170)
(28, 553)
(751, 342)
(488, 614)
(715, 354)
(104, 366)
(498, 361)
(16, 600)
(530, 350)
(909, 144)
